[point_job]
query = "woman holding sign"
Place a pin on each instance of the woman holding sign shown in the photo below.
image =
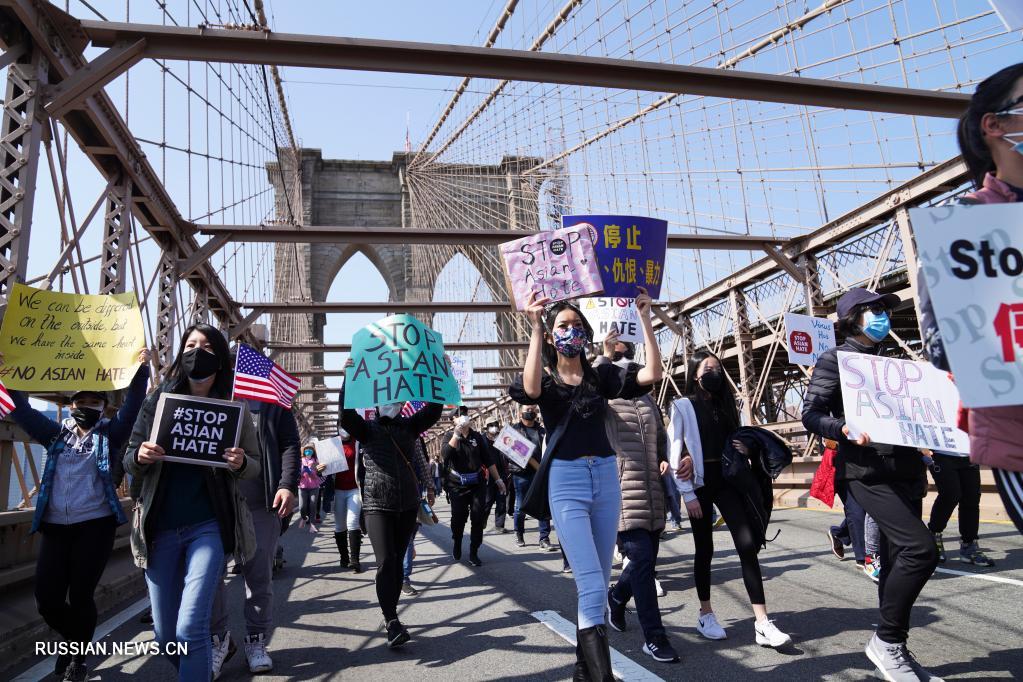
(991, 140)
(189, 516)
(888, 481)
(77, 509)
(390, 494)
(579, 471)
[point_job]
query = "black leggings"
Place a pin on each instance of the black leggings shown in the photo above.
(70, 564)
(958, 484)
(908, 552)
(729, 502)
(390, 533)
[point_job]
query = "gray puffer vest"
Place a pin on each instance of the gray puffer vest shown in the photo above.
(641, 441)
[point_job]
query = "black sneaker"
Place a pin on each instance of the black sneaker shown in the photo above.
(456, 551)
(520, 540)
(396, 634)
(147, 617)
(406, 588)
(615, 612)
(63, 661)
(661, 650)
(474, 558)
(545, 545)
(76, 671)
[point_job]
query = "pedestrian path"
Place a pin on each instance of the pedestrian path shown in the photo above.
(479, 624)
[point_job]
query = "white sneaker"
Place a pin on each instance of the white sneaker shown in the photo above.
(625, 562)
(769, 635)
(255, 652)
(661, 592)
(313, 528)
(221, 652)
(709, 627)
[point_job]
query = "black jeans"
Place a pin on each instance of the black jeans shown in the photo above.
(958, 483)
(637, 580)
(390, 533)
(70, 564)
(908, 553)
(729, 501)
(469, 505)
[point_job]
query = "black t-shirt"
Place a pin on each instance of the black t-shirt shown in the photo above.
(586, 434)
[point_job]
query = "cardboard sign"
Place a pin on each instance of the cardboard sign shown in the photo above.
(900, 402)
(331, 453)
(69, 342)
(613, 314)
(197, 430)
(462, 369)
(630, 251)
(808, 337)
(560, 265)
(515, 446)
(398, 359)
(972, 262)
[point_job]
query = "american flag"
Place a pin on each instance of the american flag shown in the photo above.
(259, 378)
(411, 407)
(6, 402)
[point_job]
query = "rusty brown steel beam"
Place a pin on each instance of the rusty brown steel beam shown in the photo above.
(300, 307)
(346, 347)
(282, 49)
(483, 237)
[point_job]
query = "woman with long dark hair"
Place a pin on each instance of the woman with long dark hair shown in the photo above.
(584, 492)
(991, 140)
(888, 481)
(701, 424)
(188, 517)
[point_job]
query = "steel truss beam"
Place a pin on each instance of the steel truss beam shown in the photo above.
(299, 307)
(281, 49)
(346, 348)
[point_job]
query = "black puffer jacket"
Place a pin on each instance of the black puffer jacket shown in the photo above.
(752, 475)
(824, 414)
(388, 482)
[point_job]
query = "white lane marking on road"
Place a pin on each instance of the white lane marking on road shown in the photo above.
(623, 667)
(44, 669)
(980, 576)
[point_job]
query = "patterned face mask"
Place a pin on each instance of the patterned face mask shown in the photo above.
(570, 342)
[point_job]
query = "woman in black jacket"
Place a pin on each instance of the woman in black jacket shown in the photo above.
(390, 494)
(888, 481)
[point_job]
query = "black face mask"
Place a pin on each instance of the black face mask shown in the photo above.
(529, 416)
(712, 381)
(617, 355)
(199, 364)
(86, 417)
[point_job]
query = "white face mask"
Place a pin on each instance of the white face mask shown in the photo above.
(462, 421)
(390, 411)
(492, 430)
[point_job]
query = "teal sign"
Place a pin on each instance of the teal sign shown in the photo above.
(397, 359)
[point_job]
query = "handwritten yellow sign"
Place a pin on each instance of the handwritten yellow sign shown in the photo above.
(53, 341)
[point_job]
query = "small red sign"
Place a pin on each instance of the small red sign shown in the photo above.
(801, 342)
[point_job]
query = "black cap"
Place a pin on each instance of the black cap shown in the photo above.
(860, 296)
(90, 394)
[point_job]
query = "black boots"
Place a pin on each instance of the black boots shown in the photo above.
(355, 547)
(474, 556)
(596, 653)
(342, 548)
(579, 673)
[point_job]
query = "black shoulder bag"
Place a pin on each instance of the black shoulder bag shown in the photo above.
(536, 502)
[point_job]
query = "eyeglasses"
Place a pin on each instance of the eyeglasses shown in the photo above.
(876, 308)
(1010, 112)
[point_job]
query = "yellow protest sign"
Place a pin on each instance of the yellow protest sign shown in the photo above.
(53, 341)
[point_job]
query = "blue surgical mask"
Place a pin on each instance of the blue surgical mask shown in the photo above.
(876, 326)
(571, 341)
(1016, 146)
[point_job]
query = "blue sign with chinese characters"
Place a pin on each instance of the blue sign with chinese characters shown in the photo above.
(630, 251)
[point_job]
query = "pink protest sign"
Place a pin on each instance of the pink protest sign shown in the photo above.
(560, 265)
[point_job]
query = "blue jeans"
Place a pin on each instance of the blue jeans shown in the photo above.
(406, 565)
(851, 530)
(672, 497)
(347, 508)
(521, 484)
(637, 580)
(586, 503)
(184, 572)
